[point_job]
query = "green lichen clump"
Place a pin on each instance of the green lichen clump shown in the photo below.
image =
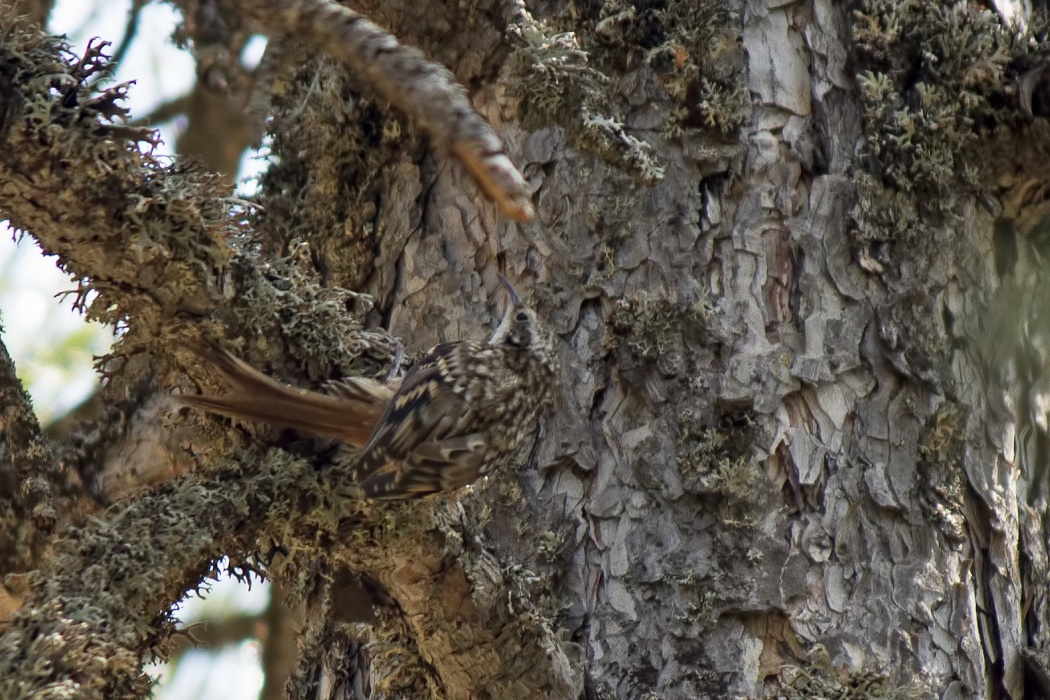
(942, 443)
(691, 45)
(940, 90)
(285, 301)
(564, 70)
(650, 327)
(717, 462)
(335, 146)
(818, 678)
(552, 82)
(940, 471)
(550, 75)
(710, 467)
(705, 65)
(645, 326)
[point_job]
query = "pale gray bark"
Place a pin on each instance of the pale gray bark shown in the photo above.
(772, 469)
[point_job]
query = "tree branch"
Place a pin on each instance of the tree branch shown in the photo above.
(164, 111)
(426, 91)
(108, 211)
(37, 10)
(152, 241)
(130, 29)
(101, 601)
(28, 476)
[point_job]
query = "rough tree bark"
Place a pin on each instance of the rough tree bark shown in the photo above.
(792, 455)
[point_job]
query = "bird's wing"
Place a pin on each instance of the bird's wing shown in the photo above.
(433, 467)
(419, 445)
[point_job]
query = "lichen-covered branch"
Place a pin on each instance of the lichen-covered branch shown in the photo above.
(473, 622)
(28, 476)
(102, 599)
(95, 608)
(425, 90)
(160, 248)
(137, 228)
(36, 10)
(149, 238)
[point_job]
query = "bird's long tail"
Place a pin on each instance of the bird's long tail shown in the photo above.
(348, 413)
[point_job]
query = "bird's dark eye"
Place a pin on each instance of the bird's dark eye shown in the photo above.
(522, 317)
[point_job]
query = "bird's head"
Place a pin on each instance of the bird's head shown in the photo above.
(520, 327)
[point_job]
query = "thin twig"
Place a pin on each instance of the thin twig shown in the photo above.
(130, 30)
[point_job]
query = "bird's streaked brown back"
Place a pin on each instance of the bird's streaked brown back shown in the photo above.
(462, 411)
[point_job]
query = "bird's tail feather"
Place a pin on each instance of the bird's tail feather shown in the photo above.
(348, 413)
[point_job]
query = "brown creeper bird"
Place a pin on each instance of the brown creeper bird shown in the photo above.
(462, 411)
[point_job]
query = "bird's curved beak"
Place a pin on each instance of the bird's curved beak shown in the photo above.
(500, 334)
(515, 300)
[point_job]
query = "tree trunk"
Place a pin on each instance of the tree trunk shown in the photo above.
(790, 455)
